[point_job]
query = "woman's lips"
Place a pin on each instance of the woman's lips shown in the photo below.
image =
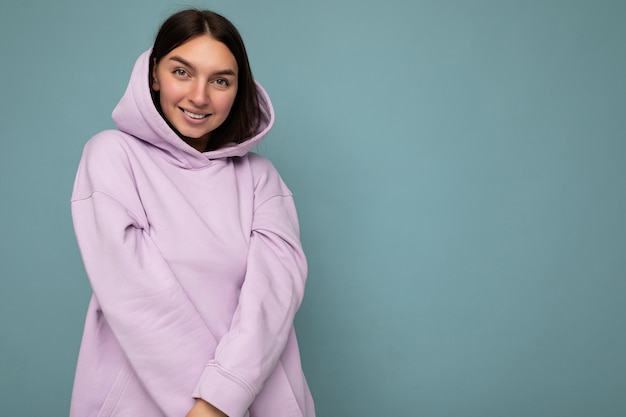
(195, 116)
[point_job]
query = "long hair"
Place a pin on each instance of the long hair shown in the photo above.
(243, 119)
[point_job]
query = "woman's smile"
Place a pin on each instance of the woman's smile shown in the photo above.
(195, 116)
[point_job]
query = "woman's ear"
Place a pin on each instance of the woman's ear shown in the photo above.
(155, 80)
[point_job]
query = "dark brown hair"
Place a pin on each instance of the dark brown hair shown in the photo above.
(244, 116)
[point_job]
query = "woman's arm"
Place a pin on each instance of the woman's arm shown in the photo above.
(203, 409)
(160, 332)
(270, 296)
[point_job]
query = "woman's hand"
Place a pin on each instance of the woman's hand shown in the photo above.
(204, 409)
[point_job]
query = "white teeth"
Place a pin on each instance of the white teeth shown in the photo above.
(195, 116)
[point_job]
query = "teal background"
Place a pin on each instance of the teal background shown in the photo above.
(460, 173)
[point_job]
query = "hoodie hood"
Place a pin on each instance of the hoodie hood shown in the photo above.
(136, 115)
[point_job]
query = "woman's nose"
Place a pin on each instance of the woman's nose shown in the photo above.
(199, 94)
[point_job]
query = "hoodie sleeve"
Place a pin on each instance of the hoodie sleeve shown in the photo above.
(146, 308)
(270, 296)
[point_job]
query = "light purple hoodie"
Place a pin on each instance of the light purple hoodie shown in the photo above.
(197, 272)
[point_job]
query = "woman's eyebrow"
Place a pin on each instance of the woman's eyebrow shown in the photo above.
(192, 67)
(182, 61)
(225, 72)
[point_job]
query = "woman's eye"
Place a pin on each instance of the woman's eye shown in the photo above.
(222, 82)
(180, 71)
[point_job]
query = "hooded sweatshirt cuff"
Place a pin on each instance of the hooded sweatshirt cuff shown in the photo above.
(224, 391)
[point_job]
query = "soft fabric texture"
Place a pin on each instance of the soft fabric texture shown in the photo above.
(197, 272)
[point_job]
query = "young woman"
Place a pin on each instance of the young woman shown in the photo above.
(190, 241)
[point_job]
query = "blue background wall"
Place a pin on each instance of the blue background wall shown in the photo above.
(460, 173)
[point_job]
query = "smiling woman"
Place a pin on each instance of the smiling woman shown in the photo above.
(213, 52)
(197, 85)
(190, 241)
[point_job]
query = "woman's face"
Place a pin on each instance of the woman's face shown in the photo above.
(197, 84)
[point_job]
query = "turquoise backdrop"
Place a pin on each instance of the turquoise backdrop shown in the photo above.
(460, 172)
